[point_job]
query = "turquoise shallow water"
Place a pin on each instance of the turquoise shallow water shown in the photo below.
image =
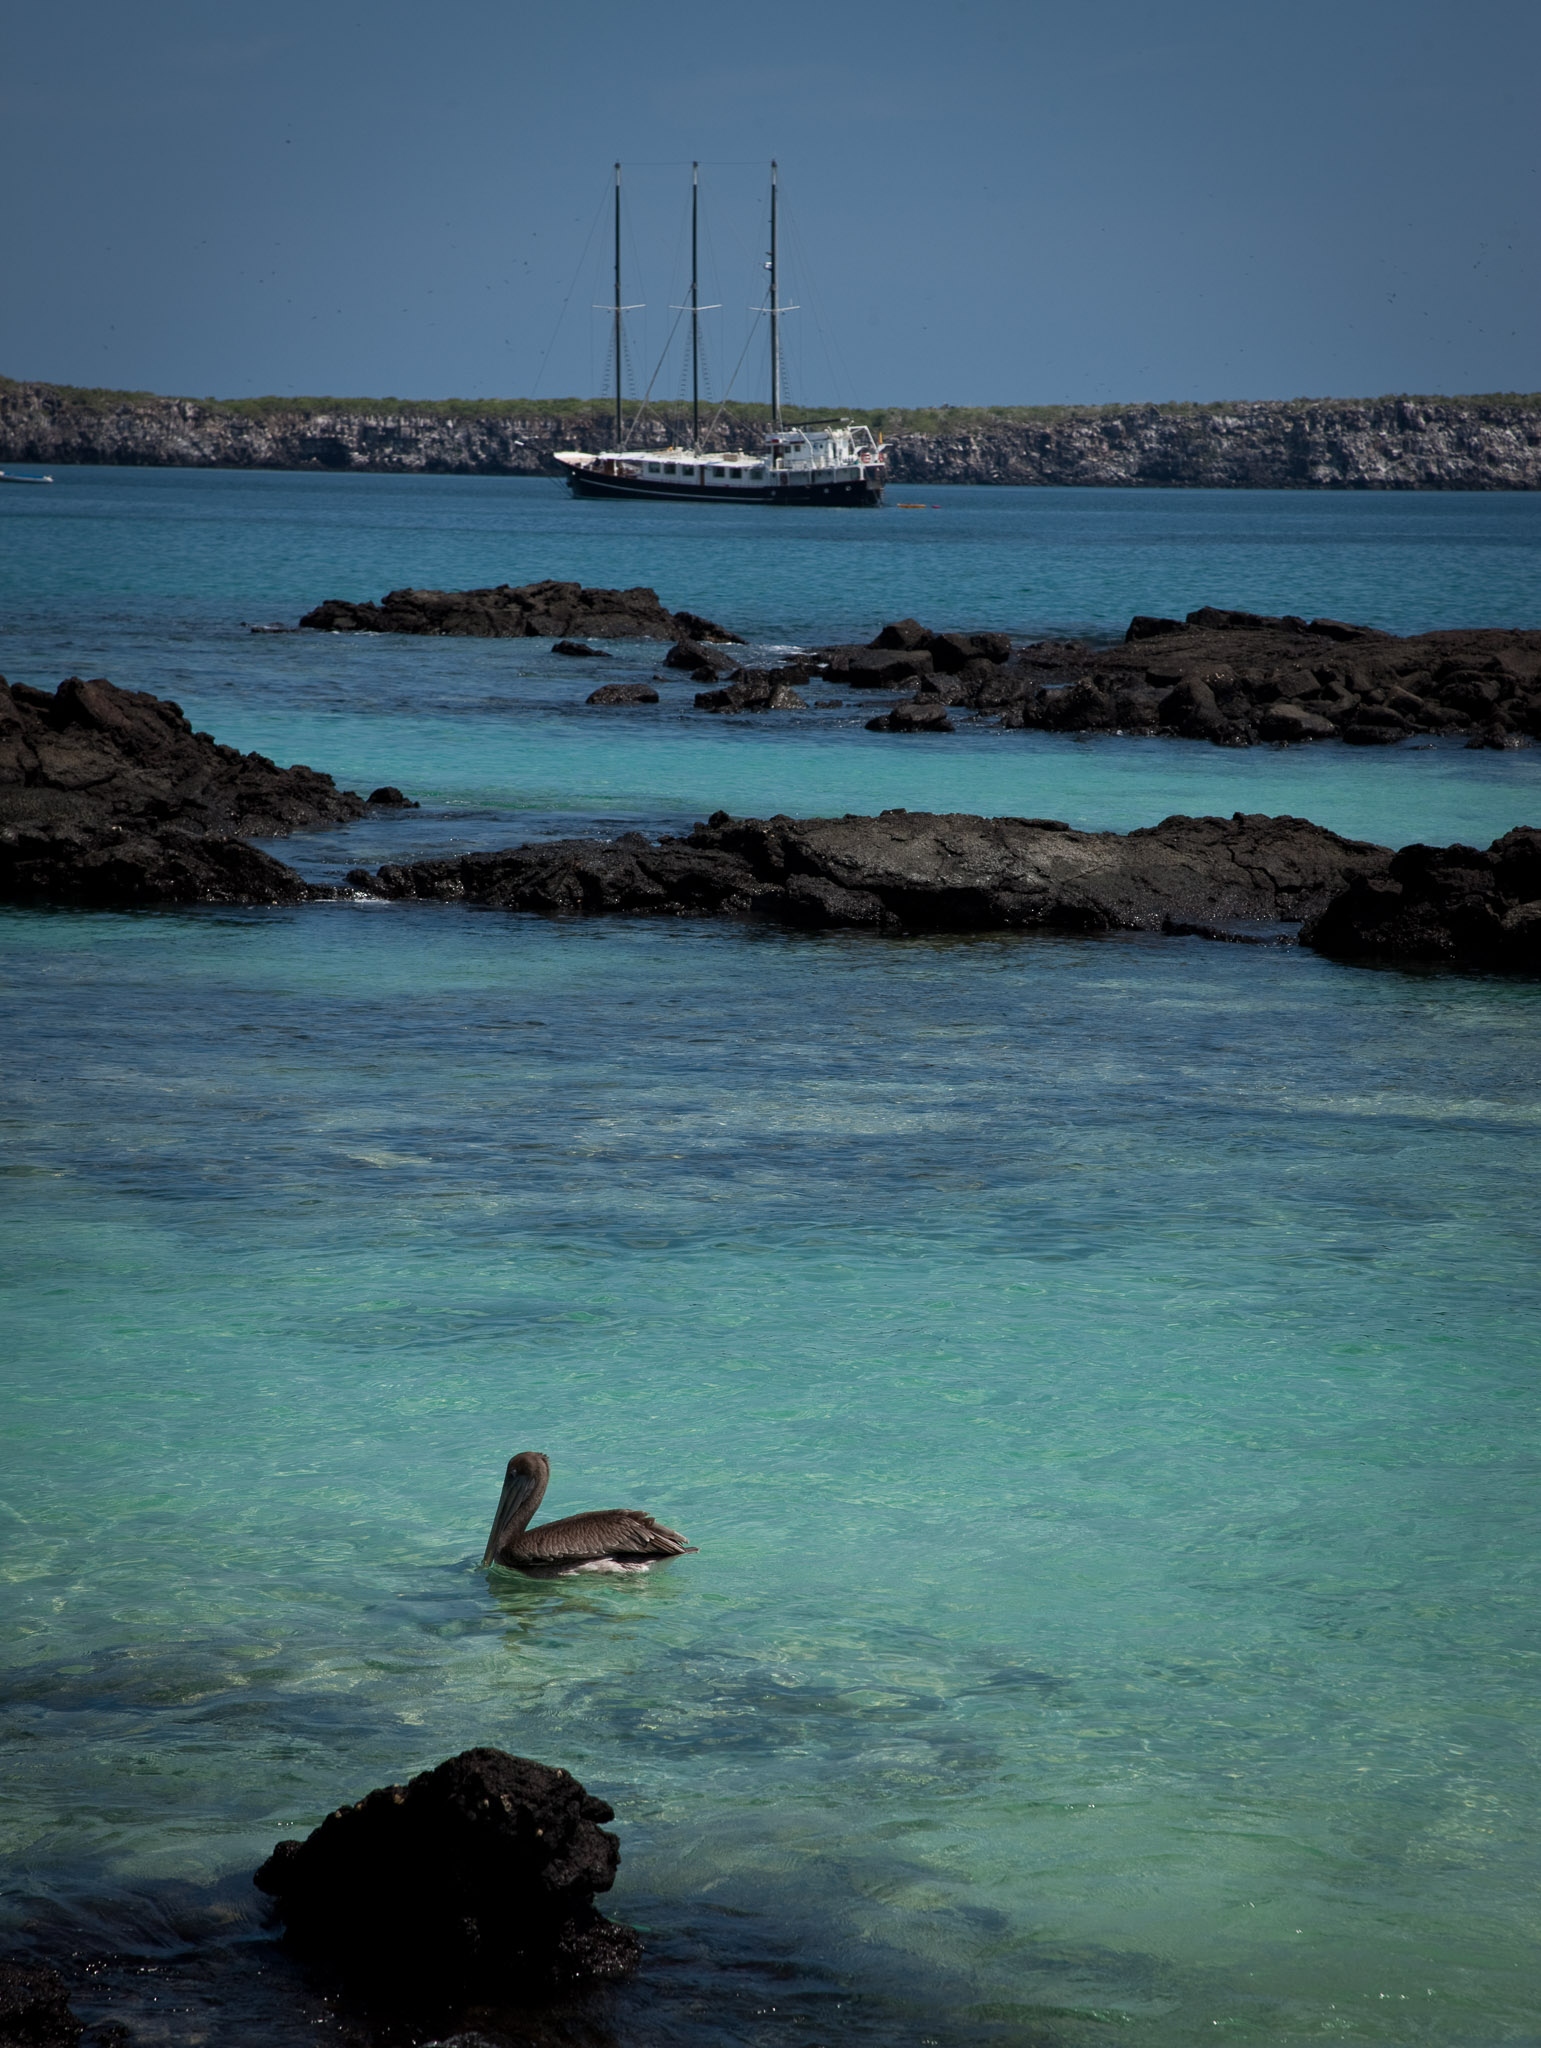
(1100, 1376)
(142, 543)
(147, 576)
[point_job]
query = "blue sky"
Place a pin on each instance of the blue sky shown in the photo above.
(987, 203)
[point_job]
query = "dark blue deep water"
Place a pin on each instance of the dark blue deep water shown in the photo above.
(1100, 1375)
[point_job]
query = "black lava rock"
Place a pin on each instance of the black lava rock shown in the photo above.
(921, 714)
(127, 755)
(579, 650)
(752, 689)
(693, 627)
(694, 656)
(478, 1874)
(913, 871)
(904, 634)
(952, 651)
(116, 867)
(623, 693)
(1445, 905)
(390, 797)
(35, 2008)
(525, 611)
(1236, 678)
(875, 668)
(108, 797)
(1144, 627)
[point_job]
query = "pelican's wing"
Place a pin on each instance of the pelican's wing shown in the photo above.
(612, 1532)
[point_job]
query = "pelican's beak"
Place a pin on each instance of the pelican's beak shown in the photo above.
(517, 1488)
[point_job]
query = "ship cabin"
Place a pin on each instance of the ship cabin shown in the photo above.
(686, 466)
(829, 451)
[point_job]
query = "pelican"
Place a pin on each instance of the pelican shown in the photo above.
(611, 1540)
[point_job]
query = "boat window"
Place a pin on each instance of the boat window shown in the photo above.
(719, 472)
(668, 469)
(757, 472)
(652, 469)
(686, 470)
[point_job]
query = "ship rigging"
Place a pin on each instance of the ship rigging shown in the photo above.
(824, 462)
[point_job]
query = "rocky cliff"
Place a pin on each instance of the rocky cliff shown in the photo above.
(1408, 444)
(1387, 444)
(57, 423)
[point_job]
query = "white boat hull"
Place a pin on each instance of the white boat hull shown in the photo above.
(783, 490)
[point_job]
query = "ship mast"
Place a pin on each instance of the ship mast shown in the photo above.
(775, 313)
(617, 305)
(695, 313)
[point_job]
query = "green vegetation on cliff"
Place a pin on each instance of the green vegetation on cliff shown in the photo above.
(937, 419)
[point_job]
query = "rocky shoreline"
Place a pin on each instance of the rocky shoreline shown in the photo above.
(1247, 879)
(906, 872)
(1230, 677)
(1442, 905)
(110, 800)
(1398, 443)
(526, 611)
(1234, 678)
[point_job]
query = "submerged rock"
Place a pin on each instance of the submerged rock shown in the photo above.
(925, 714)
(478, 1874)
(389, 797)
(526, 611)
(623, 693)
(579, 650)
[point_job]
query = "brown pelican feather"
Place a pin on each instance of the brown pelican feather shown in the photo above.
(612, 1539)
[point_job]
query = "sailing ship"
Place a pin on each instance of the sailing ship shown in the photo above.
(820, 462)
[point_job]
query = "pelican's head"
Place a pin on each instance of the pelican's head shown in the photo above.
(528, 1474)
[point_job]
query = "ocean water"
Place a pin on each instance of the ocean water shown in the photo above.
(1100, 1374)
